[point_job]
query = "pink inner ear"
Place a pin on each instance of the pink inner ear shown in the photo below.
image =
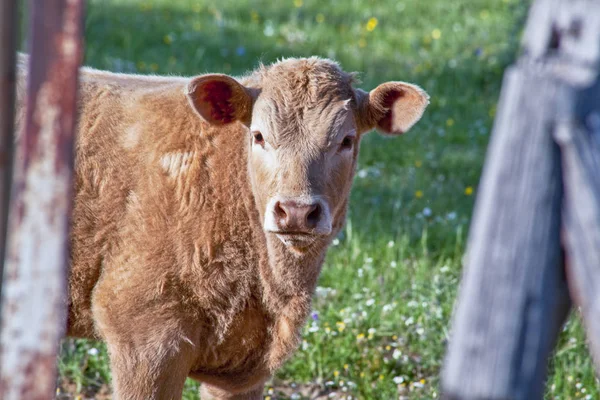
(391, 96)
(218, 95)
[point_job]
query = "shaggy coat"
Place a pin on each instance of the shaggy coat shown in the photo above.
(203, 210)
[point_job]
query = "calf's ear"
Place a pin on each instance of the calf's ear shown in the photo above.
(392, 107)
(220, 99)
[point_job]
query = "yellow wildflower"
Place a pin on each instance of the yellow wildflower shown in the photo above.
(336, 373)
(449, 122)
(436, 34)
(419, 194)
(298, 3)
(468, 190)
(168, 39)
(340, 326)
(320, 18)
(371, 24)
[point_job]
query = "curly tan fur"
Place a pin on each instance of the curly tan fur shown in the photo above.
(171, 262)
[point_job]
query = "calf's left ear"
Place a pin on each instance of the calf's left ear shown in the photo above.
(392, 107)
(220, 99)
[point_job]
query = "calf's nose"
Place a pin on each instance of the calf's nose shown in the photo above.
(297, 217)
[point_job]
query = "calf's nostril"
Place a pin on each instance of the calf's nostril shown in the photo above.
(313, 216)
(280, 211)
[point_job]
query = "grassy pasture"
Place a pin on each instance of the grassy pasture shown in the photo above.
(382, 308)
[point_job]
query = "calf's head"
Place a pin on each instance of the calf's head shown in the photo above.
(305, 122)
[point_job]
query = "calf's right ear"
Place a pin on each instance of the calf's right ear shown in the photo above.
(220, 99)
(392, 107)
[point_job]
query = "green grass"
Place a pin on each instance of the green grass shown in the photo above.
(385, 296)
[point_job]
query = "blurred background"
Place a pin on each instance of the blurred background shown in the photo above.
(381, 312)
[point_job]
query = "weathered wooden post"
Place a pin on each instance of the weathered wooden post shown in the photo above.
(34, 291)
(540, 192)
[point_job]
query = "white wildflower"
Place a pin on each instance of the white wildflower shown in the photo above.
(269, 29)
(388, 307)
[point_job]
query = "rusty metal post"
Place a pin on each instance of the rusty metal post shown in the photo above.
(34, 293)
(8, 36)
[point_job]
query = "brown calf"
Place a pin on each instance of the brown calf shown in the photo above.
(203, 211)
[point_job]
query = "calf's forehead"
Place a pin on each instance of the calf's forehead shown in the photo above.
(302, 101)
(318, 121)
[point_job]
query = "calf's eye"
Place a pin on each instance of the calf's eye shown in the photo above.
(258, 138)
(347, 143)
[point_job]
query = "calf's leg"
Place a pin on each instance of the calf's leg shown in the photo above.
(147, 373)
(150, 350)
